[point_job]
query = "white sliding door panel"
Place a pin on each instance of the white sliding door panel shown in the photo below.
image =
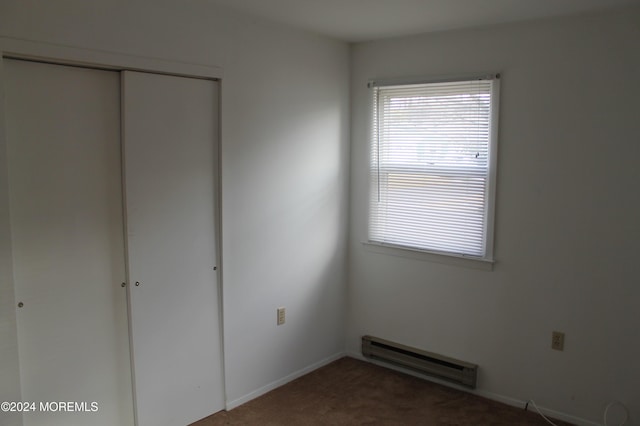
(170, 139)
(65, 199)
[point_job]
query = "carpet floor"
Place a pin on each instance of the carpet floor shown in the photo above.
(354, 392)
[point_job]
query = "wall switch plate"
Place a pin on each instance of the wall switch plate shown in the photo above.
(281, 316)
(557, 340)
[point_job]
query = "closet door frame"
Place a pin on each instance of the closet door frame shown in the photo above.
(11, 48)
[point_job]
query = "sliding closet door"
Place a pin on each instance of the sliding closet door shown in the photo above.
(170, 140)
(63, 137)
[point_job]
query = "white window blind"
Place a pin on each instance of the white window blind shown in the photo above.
(433, 166)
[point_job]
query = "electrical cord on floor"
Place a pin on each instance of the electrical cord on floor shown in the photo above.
(538, 410)
(611, 404)
(606, 412)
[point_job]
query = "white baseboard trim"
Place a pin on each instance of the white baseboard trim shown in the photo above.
(230, 405)
(485, 394)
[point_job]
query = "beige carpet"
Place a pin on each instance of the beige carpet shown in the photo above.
(353, 392)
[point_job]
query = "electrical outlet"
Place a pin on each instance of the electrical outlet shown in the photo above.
(557, 340)
(280, 316)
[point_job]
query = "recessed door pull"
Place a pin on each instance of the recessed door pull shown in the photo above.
(137, 283)
(20, 305)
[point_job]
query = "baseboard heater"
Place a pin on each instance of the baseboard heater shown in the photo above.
(427, 363)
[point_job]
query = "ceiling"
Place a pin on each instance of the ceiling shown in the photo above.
(362, 20)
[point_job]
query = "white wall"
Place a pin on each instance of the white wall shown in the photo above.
(285, 117)
(567, 224)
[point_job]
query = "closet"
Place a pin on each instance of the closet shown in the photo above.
(112, 187)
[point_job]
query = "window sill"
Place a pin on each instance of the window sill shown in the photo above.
(429, 256)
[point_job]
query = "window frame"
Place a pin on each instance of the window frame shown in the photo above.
(491, 175)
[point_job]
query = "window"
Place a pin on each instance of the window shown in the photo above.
(433, 164)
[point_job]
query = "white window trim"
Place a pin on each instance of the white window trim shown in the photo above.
(488, 260)
(429, 256)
